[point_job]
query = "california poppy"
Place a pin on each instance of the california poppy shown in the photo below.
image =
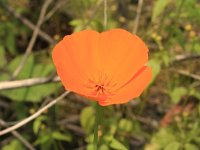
(108, 67)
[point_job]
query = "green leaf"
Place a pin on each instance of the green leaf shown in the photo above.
(125, 125)
(158, 8)
(156, 66)
(36, 93)
(90, 138)
(19, 94)
(31, 69)
(199, 109)
(177, 93)
(13, 145)
(77, 24)
(161, 139)
(104, 147)
(87, 119)
(173, 146)
(43, 138)
(115, 144)
(189, 146)
(196, 47)
(37, 123)
(194, 92)
(10, 42)
(2, 57)
(90, 147)
(60, 136)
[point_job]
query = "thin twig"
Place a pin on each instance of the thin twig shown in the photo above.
(186, 73)
(75, 129)
(33, 39)
(93, 14)
(28, 23)
(137, 18)
(105, 15)
(184, 57)
(5, 85)
(54, 9)
(19, 137)
(35, 115)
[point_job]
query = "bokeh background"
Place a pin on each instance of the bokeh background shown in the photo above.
(165, 117)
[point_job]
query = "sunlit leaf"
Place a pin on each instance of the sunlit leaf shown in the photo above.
(104, 147)
(117, 145)
(125, 125)
(161, 139)
(13, 145)
(2, 56)
(37, 123)
(173, 146)
(189, 146)
(158, 8)
(87, 119)
(10, 43)
(177, 93)
(31, 69)
(60, 136)
(42, 139)
(156, 66)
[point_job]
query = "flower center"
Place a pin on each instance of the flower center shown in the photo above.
(101, 87)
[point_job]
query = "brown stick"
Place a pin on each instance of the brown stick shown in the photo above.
(35, 115)
(33, 39)
(28, 23)
(19, 137)
(137, 18)
(5, 85)
(186, 73)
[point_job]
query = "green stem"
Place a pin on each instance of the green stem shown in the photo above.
(97, 123)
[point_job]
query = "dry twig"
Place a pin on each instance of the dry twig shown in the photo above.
(5, 85)
(93, 14)
(184, 57)
(186, 73)
(35, 115)
(33, 38)
(18, 136)
(28, 23)
(105, 15)
(57, 6)
(137, 19)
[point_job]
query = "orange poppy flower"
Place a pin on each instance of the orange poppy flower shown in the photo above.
(108, 67)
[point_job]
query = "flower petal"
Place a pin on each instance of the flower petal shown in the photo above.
(132, 89)
(75, 58)
(122, 54)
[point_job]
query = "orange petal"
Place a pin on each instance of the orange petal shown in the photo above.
(122, 54)
(132, 89)
(75, 57)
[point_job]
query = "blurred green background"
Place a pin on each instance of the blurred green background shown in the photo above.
(165, 117)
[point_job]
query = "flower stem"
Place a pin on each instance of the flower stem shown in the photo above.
(96, 126)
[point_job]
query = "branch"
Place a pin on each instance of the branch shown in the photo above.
(137, 19)
(184, 57)
(33, 38)
(5, 85)
(35, 115)
(93, 14)
(18, 136)
(105, 18)
(186, 73)
(28, 23)
(54, 9)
